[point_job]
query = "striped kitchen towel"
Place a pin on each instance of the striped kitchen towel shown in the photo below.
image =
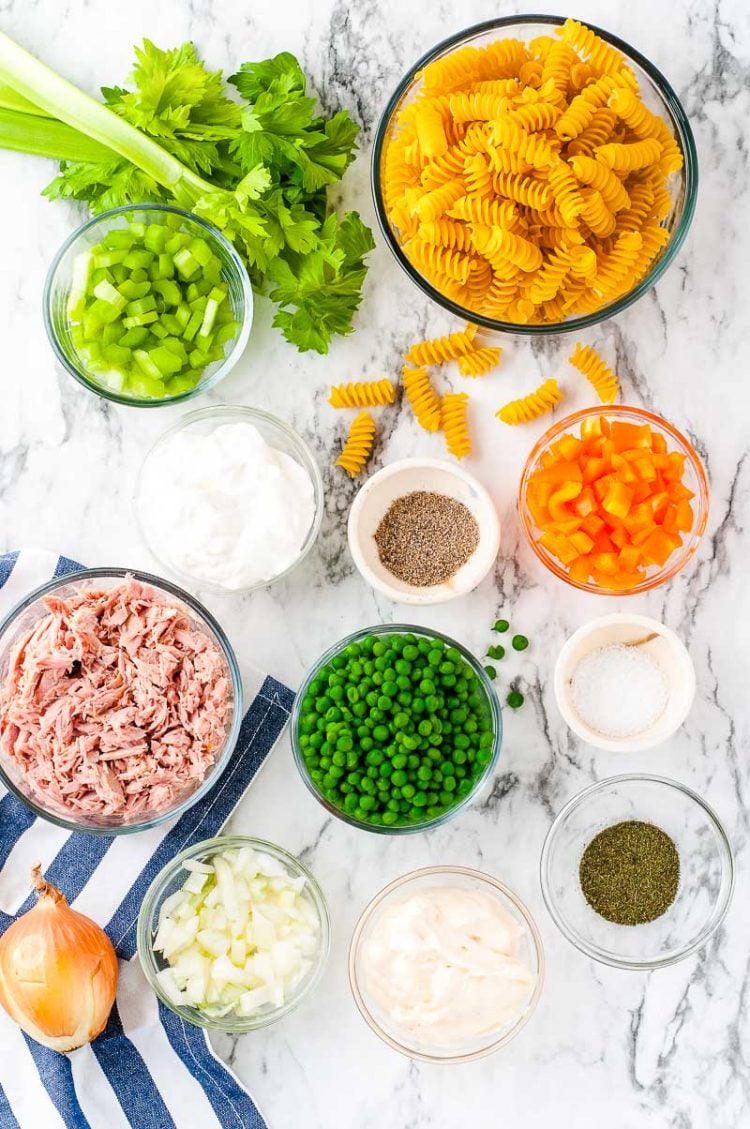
(148, 1069)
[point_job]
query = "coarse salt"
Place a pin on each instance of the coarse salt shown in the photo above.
(619, 690)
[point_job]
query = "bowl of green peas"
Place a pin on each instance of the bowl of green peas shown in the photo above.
(396, 728)
(147, 305)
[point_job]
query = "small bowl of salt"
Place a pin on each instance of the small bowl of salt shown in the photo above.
(624, 683)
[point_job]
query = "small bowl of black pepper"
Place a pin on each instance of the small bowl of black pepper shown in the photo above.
(423, 531)
(637, 871)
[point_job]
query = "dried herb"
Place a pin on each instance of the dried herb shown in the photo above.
(425, 537)
(629, 873)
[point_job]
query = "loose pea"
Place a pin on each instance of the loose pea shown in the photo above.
(490, 671)
(501, 625)
(519, 643)
(515, 699)
(496, 652)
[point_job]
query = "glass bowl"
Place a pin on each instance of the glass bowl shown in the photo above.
(694, 478)
(532, 953)
(491, 703)
(658, 96)
(30, 610)
(60, 277)
(172, 877)
(706, 871)
(277, 434)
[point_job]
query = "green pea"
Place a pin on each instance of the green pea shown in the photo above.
(490, 671)
(497, 652)
(399, 778)
(519, 643)
(515, 699)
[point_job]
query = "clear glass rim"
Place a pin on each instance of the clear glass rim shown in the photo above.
(201, 614)
(230, 360)
(679, 558)
(482, 878)
(234, 1024)
(274, 422)
(677, 236)
(397, 629)
(602, 956)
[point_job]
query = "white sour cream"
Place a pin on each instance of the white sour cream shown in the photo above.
(225, 507)
(443, 965)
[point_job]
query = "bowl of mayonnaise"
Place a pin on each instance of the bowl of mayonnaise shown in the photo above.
(446, 964)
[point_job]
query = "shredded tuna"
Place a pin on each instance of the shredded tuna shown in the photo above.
(115, 703)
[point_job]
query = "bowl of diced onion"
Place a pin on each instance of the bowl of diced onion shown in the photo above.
(147, 305)
(504, 180)
(233, 933)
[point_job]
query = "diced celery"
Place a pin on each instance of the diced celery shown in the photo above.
(111, 333)
(146, 387)
(132, 290)
(213, 272)
(117, 354)
(109, 258)
(155, 238)
(183, 313)
(183, 383)
(140, 319)
(148, 366)
(138, 229)
(118, 238)
(171, 324)
(201, 251)
(166, 361)
(108, 293)
(176, 345)
(226, 332)
(119, 273)
(199, 305)
(103, 311)
(209, 316)
(176, 242)
(198, 359)
(158, 330)
(192, 326)
(137, 260)
(139, 275)
(166, 266)
(134, 337)
(205, 286)
(141, 305)
(186, 265)
(169, 291)
(100, 274)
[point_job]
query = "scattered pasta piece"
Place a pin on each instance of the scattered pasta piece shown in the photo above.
(456, 424)
(441, 349)
(367, 394)
(513, 154)
(425, 402)
(597, 372)
(479, 361)
(530, 407)
(358, 446)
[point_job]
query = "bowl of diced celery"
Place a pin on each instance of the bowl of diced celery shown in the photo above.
(148, 305)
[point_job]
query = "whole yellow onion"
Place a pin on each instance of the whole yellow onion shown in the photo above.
(58, 972)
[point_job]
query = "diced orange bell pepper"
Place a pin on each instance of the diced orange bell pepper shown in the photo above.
(678, 492)
(558, 509)
(567, 527)
(594, 468)
(605, 562)
(639, 517)
(618, 537)
(583, 543)
(585, 503)
(618, 499)
(603, 544)
(684, 517)
(626, 581)
(594, 425)
(659, 503)
(580, 570)
(602, 485)
(669, 521)
(657, 548)
(659, 443)
(568, 448)
(559, 546)
(560, 472)
(630, 556)
(627, 435)
(593, 525)
(644, 469)
(676, 468)
(641, 491)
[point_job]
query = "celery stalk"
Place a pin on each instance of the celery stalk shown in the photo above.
(54, 95)
(9, 100)
(45, 137)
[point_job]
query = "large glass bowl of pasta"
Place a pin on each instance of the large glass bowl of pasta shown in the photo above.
(614, 500)
(534, 175)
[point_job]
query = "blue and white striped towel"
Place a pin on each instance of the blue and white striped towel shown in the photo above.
(148, 1069)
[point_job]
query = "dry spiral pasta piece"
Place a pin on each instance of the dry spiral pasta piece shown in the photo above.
(515, 249)
(598, 176)
(628, 106)
(596, 214)
(597, 372)
(477, 107)
(524, 190)
(506, 160)
(446, 233)
(493, 213)
(536, 116)
(536, 404)
(438, 350)
(358, 446)
(479, 361)
(566, 193)
(431, 137)
(362, 394)
(435, 203)
(600, 128)
(424, 400)
(558, 62)
(478, 177)
(601, 57)
(616, 269)
(630, 156)
(456, 424)
(432, 260)
(449, 166)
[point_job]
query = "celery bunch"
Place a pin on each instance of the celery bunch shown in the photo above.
(257, 166)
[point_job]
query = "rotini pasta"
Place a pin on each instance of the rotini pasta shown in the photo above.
(479, 361)
(424, 400)
(359, 444)
(441, 349)
(456, 424)
(549, 142)
(597, 372)
(365, 394)
(530, 407)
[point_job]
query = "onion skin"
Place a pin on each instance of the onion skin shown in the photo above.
(58, 972)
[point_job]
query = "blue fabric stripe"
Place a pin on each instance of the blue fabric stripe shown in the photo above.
(129, 1077)
(8, 1119)
(15, 818)
(56, 1074)
(65, 565)
(260, 728)
(7, 562)
(73, 865)
(231, 1104)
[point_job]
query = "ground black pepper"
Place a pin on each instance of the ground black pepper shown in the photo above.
(629, 873)
(425, 537)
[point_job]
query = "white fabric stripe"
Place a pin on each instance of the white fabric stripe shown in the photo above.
(19, 1077)
(95, 1096)
(32, 568)
(39, 843)
(139, 1011)
(117, 872)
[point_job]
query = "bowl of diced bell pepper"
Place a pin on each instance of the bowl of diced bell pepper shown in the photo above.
(614, 500)
(147, 305)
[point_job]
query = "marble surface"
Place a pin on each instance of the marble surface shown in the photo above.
(625, 1050)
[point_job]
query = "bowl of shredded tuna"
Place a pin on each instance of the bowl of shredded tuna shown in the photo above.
(120, 701)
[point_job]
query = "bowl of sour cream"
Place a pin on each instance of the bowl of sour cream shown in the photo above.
(230, 499)
(446, 964)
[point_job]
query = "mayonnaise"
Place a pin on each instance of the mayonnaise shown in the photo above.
(226, 507)
(443, 965)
